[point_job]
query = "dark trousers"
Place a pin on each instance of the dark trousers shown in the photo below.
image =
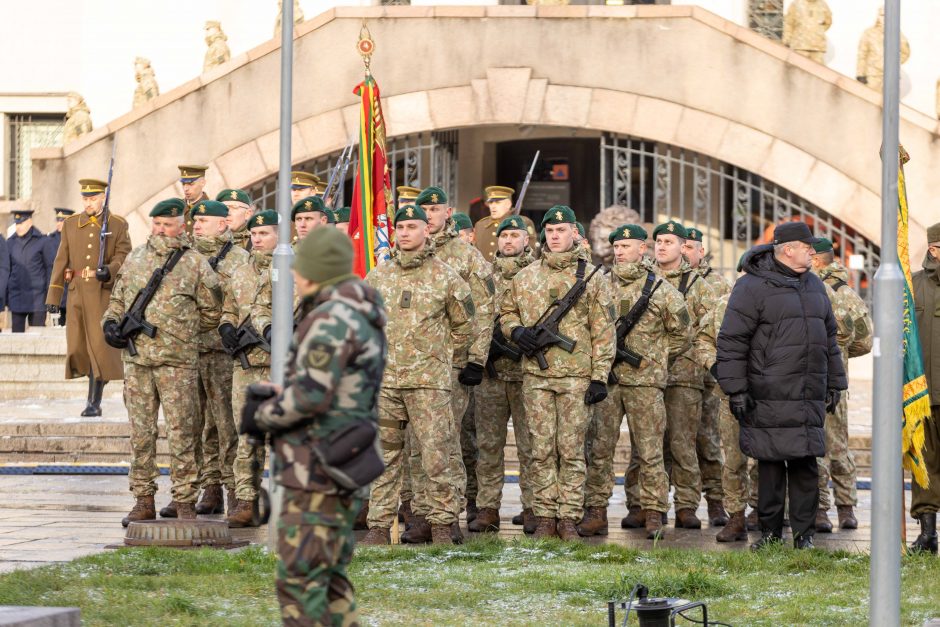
(36, 319)
(799, 477)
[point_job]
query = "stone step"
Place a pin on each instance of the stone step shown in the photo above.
(102, 442)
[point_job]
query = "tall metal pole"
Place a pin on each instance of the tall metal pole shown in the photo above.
(282, 326)
(887, 495)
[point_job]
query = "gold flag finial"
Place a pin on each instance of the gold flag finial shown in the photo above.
(365, 45)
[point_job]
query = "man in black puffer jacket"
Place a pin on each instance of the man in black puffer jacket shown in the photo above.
(780, 366)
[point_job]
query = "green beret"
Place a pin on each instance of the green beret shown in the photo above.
(209, 208)
(236, 195)
(431, 196)
(324, 255)
(311, 204)
(268, 217)
(628, 231)
(580, 228)
(671, 228)
(342, 214)
(169, 208)
(410, 212)
(511, 223)
(462, 221)
(559, 214)
(694, 234)
(824, 245)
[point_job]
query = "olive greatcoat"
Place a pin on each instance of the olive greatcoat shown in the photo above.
(87, 297)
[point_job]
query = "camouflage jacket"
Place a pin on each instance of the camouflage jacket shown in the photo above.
(242, 237)
(699, 299)
(472, 267)
(248, 293)
(590, 323)
(719, 284)
(662, 332)
(849, 310)
(504, 269)
(430, 318)
(185, 305)
(225, 269)
(335, 368)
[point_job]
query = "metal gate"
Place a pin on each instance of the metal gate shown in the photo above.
(416, 160)
(734, 208)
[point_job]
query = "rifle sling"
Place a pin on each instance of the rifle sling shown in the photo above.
(215, 261)
(167, 268)
(685, 284)
(642, 303)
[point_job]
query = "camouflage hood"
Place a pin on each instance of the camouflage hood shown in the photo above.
(261, 259)
(630, 272)
(413, 259)
(212, 244)
(560, 261)
(447, 233)
(355, 294)
(682, 269)
(834, 270)
(508, 267)
(164, 245)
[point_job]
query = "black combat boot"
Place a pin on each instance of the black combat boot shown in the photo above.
(926, 542)
(90, 403)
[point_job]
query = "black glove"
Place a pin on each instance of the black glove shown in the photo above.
(471, 374)
(832, 400)
(741, 405)
(256, 394)
(266, 334)
(53, 309)
(103, 274)
(229, 337)
(112, 336)
(524, 337)
(596, 392)
(862, 79)
(714, 370)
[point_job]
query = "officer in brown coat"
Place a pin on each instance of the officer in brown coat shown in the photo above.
(499, 202)
(193, 180)
(89, 289)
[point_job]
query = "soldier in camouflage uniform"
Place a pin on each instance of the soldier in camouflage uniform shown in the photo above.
(500, 397)
(163, 373)
(248, 295)
(660, 335)
(468, 365)
(310, 213)
(215, 454)
(335, 366)
(557, 398)
(855, 332)
(686, 377)
(708, 440)
(737, 487)
(239, 210)
(430, 319)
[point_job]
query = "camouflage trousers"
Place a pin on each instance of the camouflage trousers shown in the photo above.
(558, 421)
(427, 415)
(708, 442)
(146, 390)
(683, 416)
(838, 462)
(217, 438)
(247, 478)
(469, 448)
(314, 547)
(496, 401)
(738, 482)
(645, 481)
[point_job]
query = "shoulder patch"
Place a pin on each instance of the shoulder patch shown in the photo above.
(490, 285)
(468, 306)
(319, 355)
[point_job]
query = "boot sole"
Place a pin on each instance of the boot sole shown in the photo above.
(208, 512)
(741, 537)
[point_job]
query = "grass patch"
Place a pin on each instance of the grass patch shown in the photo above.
(486, 581)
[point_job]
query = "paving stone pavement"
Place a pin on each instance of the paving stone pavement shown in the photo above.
(54, 518)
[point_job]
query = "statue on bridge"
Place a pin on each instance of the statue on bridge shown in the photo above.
(218, 52)
(871, 69)
(805, 26)
(298, 16)
(77, 119)
(147, 88)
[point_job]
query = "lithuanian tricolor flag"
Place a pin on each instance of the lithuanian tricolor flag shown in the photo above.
(368, 221)
(916, 401)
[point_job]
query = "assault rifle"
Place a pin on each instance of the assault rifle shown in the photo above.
(133, 323)
(546, 328)
(626, 322)
(500, 347)
(248, 337)
(105, 214)
(525, 185)
(336, 179)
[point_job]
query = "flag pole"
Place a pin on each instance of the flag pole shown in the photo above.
(281, 278)
(885, 573)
